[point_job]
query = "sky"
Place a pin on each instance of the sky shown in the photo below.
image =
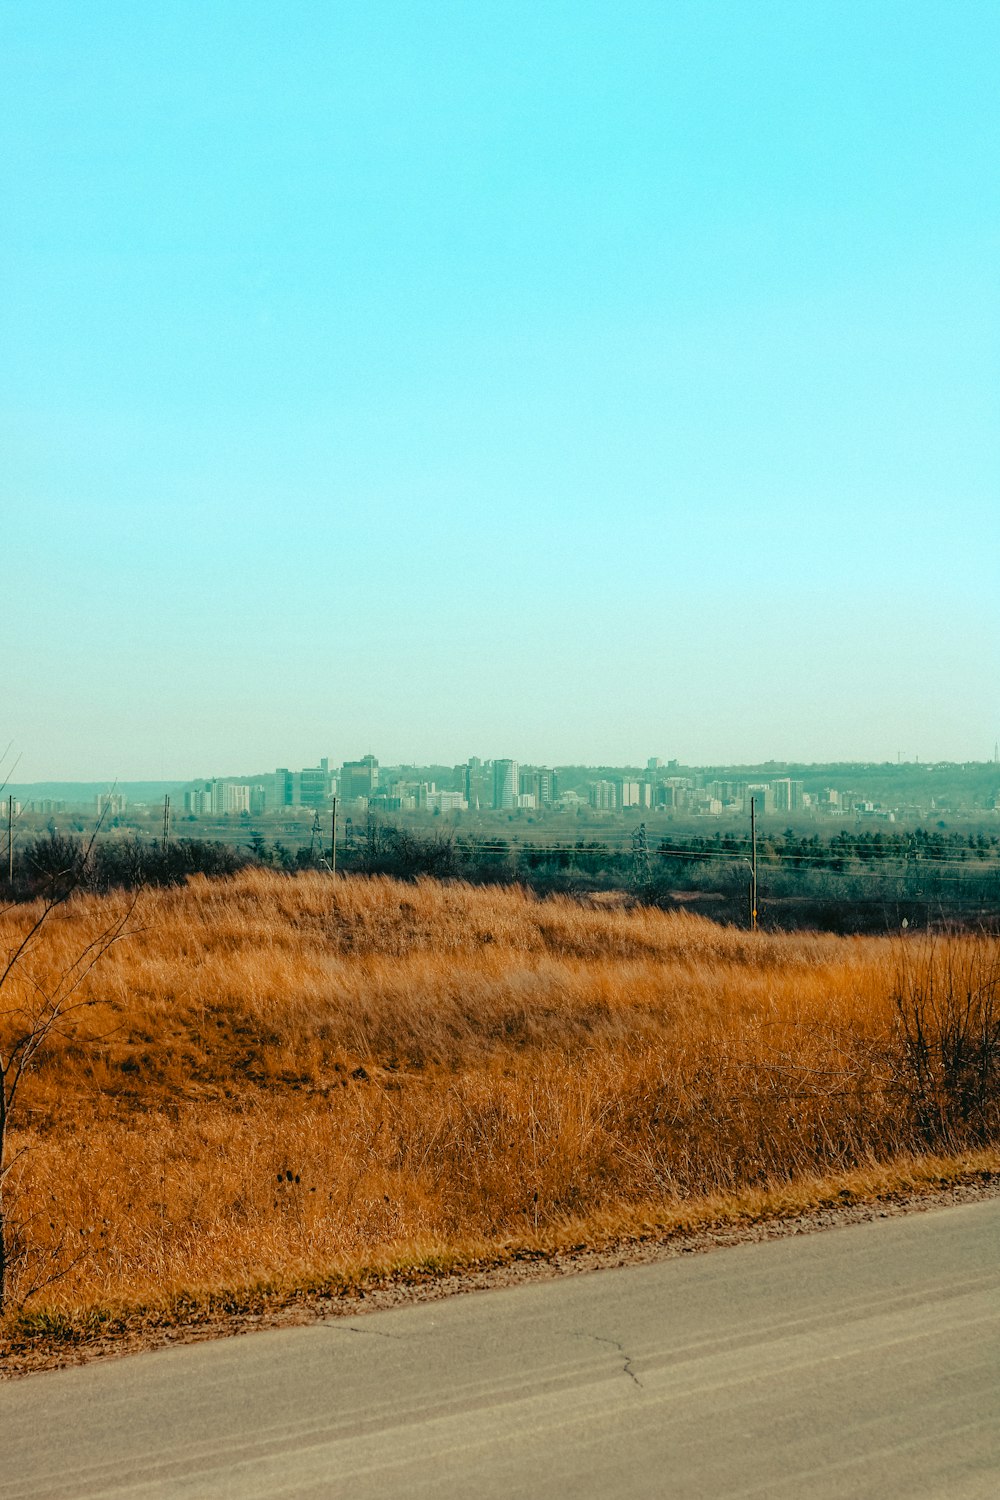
(571, 382)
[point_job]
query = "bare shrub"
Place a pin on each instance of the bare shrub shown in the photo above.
(947, 1005)
(40, 1002)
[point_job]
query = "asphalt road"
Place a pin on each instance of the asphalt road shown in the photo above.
(864, 1361)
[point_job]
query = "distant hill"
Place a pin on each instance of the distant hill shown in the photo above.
(84, 793)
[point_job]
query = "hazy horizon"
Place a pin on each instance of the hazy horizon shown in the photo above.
(15, 783)
(397, 375)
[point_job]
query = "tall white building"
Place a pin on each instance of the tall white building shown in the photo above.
(787, 794)
(506, 785)
(235, 797)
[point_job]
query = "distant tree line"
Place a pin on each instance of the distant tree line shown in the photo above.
(854, 881)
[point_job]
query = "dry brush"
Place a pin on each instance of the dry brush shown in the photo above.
(297, 1077)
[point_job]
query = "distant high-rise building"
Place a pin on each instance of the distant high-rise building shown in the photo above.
(540, 783)
(787, 794)
(762, 793)
(284, 788)
(314, 785)
(603, 796)
(235, 797)
(725, 791)
(506, 786)
(475, 783)
(359, 778)
(215, 798)
(675, 792)
(628, 794)
(110, 804)
(654, 763)
(258, 800)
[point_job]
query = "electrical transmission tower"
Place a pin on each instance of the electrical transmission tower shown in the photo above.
(640, 856)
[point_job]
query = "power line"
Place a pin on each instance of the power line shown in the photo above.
(788, 863)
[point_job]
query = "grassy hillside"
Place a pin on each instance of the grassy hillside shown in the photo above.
(283, 1081)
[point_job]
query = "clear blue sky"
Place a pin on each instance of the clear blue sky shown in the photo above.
(564, 381)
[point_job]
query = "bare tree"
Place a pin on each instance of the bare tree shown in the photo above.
(31, 1014)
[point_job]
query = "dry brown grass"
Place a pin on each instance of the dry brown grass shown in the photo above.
(281, 1081)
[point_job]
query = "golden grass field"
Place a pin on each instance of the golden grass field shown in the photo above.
(281, 1082)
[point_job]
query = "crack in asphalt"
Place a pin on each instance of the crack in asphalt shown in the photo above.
(376, 1333)
(614, 1344)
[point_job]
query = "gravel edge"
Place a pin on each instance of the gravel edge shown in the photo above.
(523, 1266)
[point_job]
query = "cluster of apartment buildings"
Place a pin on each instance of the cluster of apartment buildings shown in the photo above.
(220, 799)
(364, 784)
(312, 787)
(658, 791)
(503, 785)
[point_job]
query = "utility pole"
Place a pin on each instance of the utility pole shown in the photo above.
(333, 838)
(10, 841)
(166, 820)
(753, 864)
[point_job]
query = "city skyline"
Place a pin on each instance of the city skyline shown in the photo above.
(502, 784)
